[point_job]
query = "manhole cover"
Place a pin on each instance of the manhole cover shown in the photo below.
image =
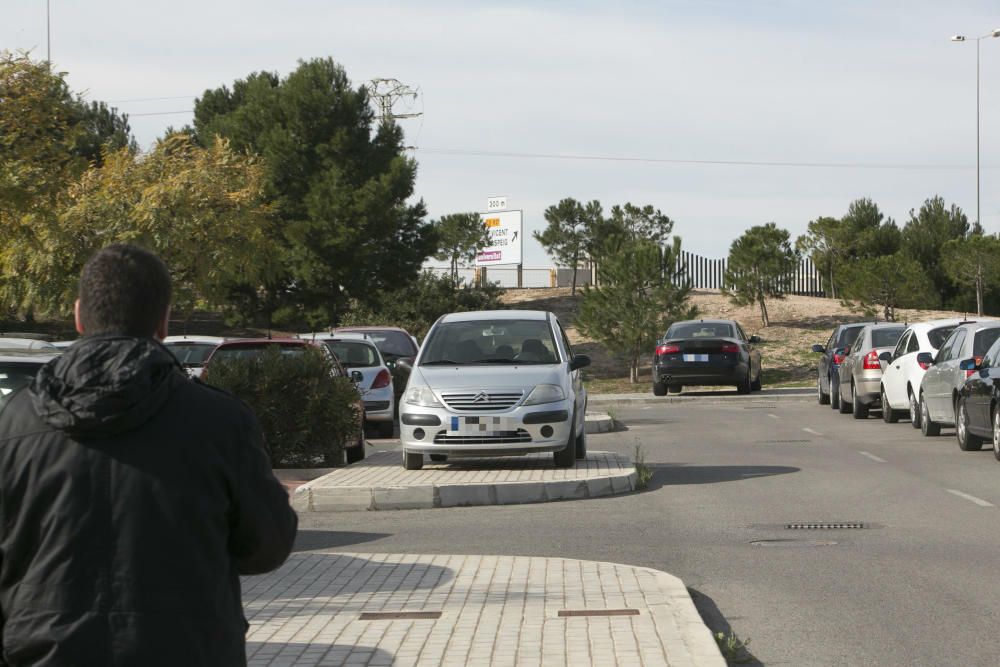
(836, 525)
(759, 407)
(793, 544)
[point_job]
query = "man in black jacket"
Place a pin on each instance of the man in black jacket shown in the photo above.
(131, 498)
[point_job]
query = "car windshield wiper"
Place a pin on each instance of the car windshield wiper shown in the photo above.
(442, 362)
(496, 361)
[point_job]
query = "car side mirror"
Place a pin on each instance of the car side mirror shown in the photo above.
(755, 339)
(847, 350)
(818, 349)
(578, 362)
(357, 377)
(968, 365)
(885, 356)
(925, 358)
(405, 363)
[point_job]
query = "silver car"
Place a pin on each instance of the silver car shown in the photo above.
(860, 374)
(492, 383)
(943, 379)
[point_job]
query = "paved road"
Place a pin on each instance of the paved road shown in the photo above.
(918, 588)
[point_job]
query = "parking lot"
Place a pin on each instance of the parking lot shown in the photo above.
(912, 585)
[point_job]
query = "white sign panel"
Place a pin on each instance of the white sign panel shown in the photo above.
(496, 204)
(504, 229)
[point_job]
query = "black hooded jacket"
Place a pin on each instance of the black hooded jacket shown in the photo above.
(131, 498)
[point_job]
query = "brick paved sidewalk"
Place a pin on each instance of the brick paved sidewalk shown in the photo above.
(494, 610)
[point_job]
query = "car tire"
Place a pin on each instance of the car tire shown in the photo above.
(675, 388)
(439, 458)
(413, 460)
(889, 416)
(967, 441)
(914, 410)
(385, 429)
(566, 457)
(357, 452)
(659, 389)
(757, 384)
(581, 445)
(834, 394)
(927, 427)
(858, 409)
(996, 433)
(745, 386)
(821, 398)
(843, 407)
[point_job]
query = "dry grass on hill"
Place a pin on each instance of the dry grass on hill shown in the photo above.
(797, 322)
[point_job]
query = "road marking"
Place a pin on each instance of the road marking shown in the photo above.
(971, 499)
(773, 416)
(809, 430)
(878, 459)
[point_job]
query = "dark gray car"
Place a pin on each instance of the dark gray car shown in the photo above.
(828, 366)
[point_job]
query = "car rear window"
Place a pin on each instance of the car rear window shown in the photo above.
(354, 354)
(395, 343)
(984, 341)
(848, 335)
(886, 337)
(191, 354)
(700, 330)
(254, 351)
(938, 336)
(14, 377)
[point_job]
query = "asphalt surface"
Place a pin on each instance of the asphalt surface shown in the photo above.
(915, 586)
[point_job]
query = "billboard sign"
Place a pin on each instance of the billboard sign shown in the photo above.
(505, 232)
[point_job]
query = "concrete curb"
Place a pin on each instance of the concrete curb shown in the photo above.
(627, 400)
(695, 633)
(600, 422)
(314, 496)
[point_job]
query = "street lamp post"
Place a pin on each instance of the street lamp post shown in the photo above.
(963, 38)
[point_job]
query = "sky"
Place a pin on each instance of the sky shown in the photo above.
(723, 114)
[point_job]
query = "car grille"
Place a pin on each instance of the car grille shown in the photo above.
(501, 438)
(482, 400)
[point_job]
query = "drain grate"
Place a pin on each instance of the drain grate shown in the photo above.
(598, 612)
(842, 525)
(760, 407)
(398, 615)
(784, 442)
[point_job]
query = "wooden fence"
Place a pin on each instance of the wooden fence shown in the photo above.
(706, 273)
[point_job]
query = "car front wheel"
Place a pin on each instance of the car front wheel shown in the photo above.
(566, 457)
(413, 460)
(914, 411)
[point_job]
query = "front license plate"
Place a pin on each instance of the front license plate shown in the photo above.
(695, 357)
(479, 425)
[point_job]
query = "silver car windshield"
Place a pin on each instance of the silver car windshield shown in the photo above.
(490, 342)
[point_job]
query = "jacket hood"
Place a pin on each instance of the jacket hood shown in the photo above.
(105, 385)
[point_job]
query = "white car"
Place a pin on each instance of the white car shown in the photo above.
(27, 345)
(18, 366)
(903, 372)
(495, 383)
(358, 352)
(193, 351)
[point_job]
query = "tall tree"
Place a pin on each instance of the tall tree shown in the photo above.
(888, 283)
(565, 237)
(638, 296)
(460, 237)
(822, 242)
(926, 233)
(973, 260)
(760, 266)
(341, 186)
(104, 129)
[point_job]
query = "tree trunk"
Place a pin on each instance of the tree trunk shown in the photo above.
(576, 263)
(889, 313)
(763, 311)
(633, 370)
(833, 291)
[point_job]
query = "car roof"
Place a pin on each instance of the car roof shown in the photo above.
(14, 343)
(245, 342)
(705, 321)
(927, 325)
(368, 328)
(193, 339)
(342, 335)
(21, 356)
(484, 315)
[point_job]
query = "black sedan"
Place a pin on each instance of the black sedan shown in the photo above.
(977, 415)
(706, 352)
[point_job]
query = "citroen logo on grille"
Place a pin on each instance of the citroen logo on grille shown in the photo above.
(481, 397)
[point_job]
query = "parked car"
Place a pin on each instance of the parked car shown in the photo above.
(398, 349)
(28, 345)
(18, 367)
(828, 366)
(706, 352)
(944, 379)
(249, 348)
(860, 376)
(904, 370)
(493, 383)
(979, 402)
(357, 352)
(192, 351)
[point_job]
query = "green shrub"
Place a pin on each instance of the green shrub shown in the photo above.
(306, 413)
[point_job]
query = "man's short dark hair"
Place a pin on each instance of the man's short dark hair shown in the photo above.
(124, 289)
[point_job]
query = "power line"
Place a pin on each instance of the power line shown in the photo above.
(736, 163)
(152, 99)
(158, 113)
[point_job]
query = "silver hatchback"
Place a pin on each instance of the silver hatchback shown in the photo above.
(492, 383)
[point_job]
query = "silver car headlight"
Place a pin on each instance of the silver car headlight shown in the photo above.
(545, 393)
(422, 396)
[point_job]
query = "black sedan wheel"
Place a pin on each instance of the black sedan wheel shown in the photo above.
(659, 389)
(745, 386)
(967, 442)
